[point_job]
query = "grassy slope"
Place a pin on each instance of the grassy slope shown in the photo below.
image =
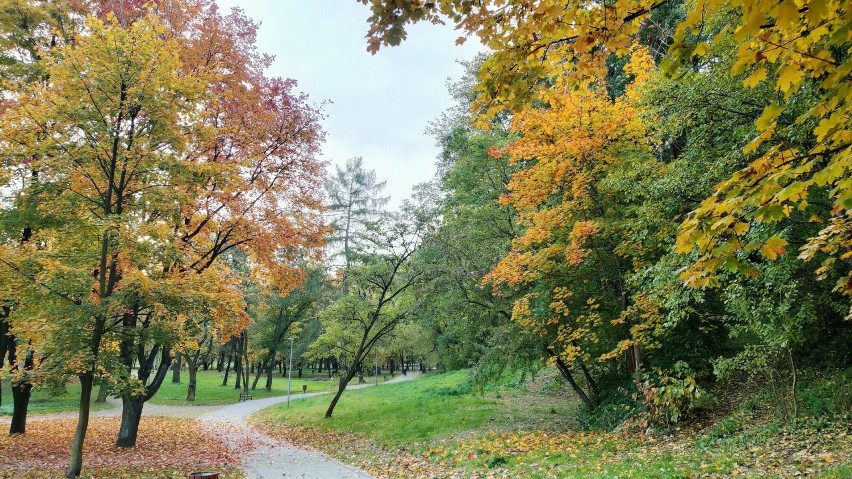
(399, 414)
(436, 427)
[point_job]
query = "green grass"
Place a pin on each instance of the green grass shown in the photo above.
(416, 411)
(439, 427)
(209, 392)
(46, 402)
(209, 389)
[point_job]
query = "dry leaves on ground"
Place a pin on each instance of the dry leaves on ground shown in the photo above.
(801, 453)
(163, 443)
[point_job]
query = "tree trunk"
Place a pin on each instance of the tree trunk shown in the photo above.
(21, 400)
(344, 380)
(227, 370)
(566, 373)
(238, 369)
(131, 411)
(103, 391)
(4, 340)
(131, 415)
(256, 378)
(176, 369)
(76, 464)
(21, 390)
(193, 373)
(245, 360)
(593, 386)
(269, 377)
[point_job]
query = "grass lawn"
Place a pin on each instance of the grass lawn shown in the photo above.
(45, 402)
(438, 427)
(400, 414)
(209, 389)
(209, 392)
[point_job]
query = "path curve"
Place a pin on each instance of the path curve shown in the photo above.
(271, 458)
(262, 456)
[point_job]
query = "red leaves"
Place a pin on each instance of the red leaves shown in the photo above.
(163, 443)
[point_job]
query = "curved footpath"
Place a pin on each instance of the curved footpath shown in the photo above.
(262, 456)
(266, 458)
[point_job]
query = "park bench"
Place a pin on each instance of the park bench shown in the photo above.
(244, 396)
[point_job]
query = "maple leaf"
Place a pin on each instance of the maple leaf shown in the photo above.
(773, 247)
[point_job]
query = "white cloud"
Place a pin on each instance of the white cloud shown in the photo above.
(380, 104)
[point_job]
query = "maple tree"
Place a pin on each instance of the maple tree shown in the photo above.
(103, 135)
(29, 28)
(782, 43)
(176, 187)
(253, 179)
(571, 262)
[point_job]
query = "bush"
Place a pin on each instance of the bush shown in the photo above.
(670, 395)
(828, 395)
(617, 403)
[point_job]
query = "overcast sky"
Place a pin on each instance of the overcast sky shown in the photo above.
(380, 104)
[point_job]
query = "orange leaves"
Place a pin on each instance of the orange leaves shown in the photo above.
(163, 443)
(569, 146)
(773, 247)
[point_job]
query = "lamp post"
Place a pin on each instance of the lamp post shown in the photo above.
(289, 371)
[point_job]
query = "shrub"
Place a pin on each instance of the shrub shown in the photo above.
(670, 395)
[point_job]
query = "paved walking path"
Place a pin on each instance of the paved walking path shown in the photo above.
(270, 458)
(263, 457)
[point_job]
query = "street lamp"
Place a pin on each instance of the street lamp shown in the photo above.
(289, 372)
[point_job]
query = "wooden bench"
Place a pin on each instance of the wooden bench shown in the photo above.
(244, 396)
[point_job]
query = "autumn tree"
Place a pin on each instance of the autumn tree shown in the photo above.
(252, 153)
(111, 115)
(781, 44)
(571, 263)
(29, 28)
(280, 317)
